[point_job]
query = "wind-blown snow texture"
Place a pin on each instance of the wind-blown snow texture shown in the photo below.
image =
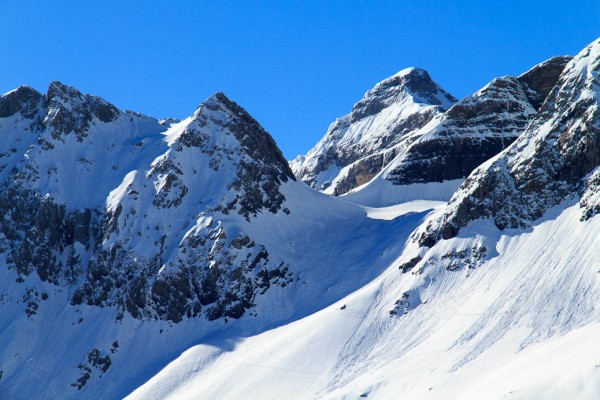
(182, 259)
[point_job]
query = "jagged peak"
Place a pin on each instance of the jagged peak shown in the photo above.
(61, 92)
(228, 116)
(220, 102)
(410, 71)
(58, 90)
(24, 99)
(21, 90)
(418, 83)
(548, 163)
(413, 84)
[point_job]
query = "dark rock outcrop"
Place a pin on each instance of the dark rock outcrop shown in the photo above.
(549, 163)
(381, 120)
(478, 127)
(157, 276)
(24, 100)
(70, 111)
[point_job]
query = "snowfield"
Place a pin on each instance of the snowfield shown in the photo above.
(524, 325)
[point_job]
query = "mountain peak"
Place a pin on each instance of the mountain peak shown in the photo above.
(60, 91)
(409, 85)
(71, 111)
(24, 99)
(548, 163)
(217, 99)
(386, 115)
(220, 116)
(220, 102)
(405, 73)
(541, 78)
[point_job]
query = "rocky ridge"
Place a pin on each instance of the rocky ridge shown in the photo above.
(121, 233)
(477, 127)
(555, 159)
(194, 262)
(383, 118)
(91, 239)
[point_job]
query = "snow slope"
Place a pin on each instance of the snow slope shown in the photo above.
(208, 236)
(494, 296)
(182, 259)
(484, 332)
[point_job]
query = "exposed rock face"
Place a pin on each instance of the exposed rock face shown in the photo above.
(550, 162)
(70, 111)
(477, 128)
(192, 265)
(24, 100)
(590, 199)
(542, 78)
(102, 202)
(383, 118)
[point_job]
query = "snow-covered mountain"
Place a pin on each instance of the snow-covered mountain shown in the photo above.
(352, 150)
(183, 259)
(120, 232)
(493, 297)
(450, 147)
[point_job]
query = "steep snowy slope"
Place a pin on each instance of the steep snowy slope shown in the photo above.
(472, 131)
(523, 324)
(495, 297)
(124, 239)
(350, 153)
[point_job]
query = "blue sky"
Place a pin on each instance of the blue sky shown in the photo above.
(294, 65)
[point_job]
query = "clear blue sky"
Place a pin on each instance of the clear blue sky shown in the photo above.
(294, 65)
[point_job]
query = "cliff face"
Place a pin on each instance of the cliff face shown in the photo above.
(118, 230)
(164, 252)
(427, 143)
(130, 245)
(350, 154)
(477, 128)
(554, 159)
(107, 239)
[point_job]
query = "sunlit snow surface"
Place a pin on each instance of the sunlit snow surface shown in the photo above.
(485, 314)
(524, 325)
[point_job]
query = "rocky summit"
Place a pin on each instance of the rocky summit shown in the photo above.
(354, 148)
(117, 217)
(553, 159)
(426, 247)
(477, 128)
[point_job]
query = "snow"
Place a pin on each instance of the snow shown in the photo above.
(382, 193)
(488, 314)
(397, 210)
(333, 247)
(108, 153)
(309, 238)
(355, 136)
(523, 325)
